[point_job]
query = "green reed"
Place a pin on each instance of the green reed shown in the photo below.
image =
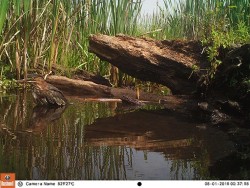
(3, 9)
(56, 31)
(194, 19)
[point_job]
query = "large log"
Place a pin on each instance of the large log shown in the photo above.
(171, 63)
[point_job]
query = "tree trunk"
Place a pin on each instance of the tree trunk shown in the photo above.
(175, 64)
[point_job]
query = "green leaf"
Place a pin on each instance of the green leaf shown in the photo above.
(4, 4)
(232, 6)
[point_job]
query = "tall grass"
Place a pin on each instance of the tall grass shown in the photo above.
(45, 33)
(56, 31)
(194, 19)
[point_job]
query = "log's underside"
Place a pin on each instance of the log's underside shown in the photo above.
(170, 63)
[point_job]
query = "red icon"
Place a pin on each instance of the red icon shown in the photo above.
(7, 180)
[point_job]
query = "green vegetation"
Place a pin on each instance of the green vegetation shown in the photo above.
(42, 33)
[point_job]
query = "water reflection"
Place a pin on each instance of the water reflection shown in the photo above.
(89, 140)
(43, 115)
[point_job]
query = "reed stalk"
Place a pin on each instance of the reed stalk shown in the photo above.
(4, 4)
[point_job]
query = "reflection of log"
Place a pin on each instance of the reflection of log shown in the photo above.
(171, 134)
(165, 62)
(142, 143)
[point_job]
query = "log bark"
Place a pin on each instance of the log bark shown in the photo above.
(79, 87)
(171, 63)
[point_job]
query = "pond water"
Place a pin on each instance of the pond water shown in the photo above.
(108, 141)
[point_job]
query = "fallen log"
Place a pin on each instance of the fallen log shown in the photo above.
(89, 90)
(79, 87)
(77, 73)
(170, 63)
(131, 101)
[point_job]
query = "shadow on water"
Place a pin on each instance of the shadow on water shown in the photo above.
(42, 116)
(96, 141)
